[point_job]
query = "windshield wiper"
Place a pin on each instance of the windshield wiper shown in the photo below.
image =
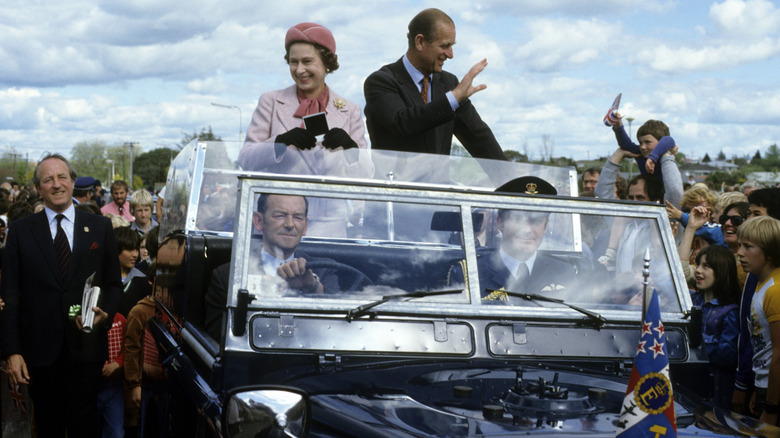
(359, 311)
(600, 320)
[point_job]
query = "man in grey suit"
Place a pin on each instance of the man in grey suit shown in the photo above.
(47, 259)
(413, 105)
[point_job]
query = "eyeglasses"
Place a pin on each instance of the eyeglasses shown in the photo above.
(735, 220)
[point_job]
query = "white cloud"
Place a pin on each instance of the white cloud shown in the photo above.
(746, 19)
(559, 44)
(573, 7)
(684, 59)
(211, 85)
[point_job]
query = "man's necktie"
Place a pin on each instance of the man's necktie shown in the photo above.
(522, 277)
(424, 92)
(61, 247)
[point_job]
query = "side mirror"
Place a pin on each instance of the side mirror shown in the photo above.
(267, 413)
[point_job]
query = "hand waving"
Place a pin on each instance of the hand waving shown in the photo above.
(465, 88)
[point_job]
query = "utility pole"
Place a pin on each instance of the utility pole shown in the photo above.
(132, 144)
(240, 130)
(110, 176)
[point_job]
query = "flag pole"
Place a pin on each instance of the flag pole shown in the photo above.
(645, 275)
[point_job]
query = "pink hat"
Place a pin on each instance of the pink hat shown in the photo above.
(310, 33)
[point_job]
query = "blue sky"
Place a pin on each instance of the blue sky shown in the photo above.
(146, 71)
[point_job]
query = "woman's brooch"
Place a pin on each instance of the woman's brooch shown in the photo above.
(339, 103)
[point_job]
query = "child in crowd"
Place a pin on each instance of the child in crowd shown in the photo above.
(141, 204)
(144, 373)
(701, 233)
(111, 396)
(698, 195)
(759, 255)
(127, 242)
(654, 142)
(765, 202)
(111, 403)
(717, 293)
(144, 260)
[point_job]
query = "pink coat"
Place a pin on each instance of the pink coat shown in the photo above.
(274, 116)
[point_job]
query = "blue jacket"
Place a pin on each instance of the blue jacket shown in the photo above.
(712, 233)
(664, 145)
(720, 330)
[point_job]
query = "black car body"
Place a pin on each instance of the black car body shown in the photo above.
(407, 348)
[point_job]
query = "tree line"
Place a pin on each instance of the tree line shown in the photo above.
(95, 157)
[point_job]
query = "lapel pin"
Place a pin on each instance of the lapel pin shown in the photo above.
(339, 103)
(86, 229)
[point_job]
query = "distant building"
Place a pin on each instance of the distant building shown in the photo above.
(768, 179)
(723, 165)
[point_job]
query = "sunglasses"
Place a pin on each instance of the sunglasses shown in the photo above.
(735, 220)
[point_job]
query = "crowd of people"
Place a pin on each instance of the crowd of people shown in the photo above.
(728, 243)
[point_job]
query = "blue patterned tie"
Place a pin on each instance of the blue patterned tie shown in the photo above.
(61, 247)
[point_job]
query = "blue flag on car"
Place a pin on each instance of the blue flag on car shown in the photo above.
(648, 408)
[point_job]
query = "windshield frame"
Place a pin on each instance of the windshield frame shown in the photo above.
(251, 184)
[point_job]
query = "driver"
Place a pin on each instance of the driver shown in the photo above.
(518, 265)
(283, 220)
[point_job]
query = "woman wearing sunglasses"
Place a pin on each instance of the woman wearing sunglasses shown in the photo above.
(733, 216)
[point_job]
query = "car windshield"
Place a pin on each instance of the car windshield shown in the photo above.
(202, 182)
(411, 224)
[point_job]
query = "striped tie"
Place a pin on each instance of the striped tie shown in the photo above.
(61, 247)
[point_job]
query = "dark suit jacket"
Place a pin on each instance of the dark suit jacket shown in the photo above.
(35, 321)
(548, 275)
(397, 119)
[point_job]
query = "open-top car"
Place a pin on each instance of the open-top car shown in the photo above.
(416, 331)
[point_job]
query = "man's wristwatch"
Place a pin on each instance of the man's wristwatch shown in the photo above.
(769, 407)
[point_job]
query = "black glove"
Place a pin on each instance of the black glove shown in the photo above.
(298, 137)
(338, 137)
